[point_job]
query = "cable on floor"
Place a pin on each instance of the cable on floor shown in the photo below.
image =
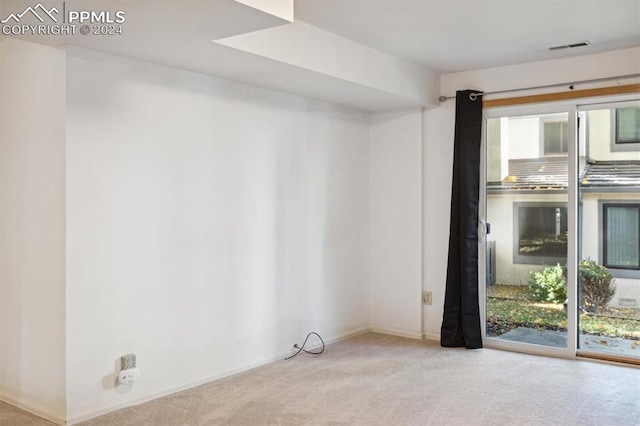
(302, 349)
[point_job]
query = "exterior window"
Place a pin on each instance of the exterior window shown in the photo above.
(627, 125)
(541, 233)
(555, 137)
(621, 236)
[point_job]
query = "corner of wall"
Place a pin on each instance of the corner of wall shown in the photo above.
(32, 228)
(396, 222)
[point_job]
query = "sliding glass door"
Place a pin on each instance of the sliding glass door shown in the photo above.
(609, 200)
(560, 211)
(527, 207)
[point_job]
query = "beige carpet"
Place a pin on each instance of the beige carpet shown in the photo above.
(375, 379)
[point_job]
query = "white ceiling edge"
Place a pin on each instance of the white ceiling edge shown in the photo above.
(286, 80)
(574, 69)
(281, 8)
(305, 47)
(307, 83)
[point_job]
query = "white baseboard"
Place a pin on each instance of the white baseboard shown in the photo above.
(39, 411)
(347, 335)
(396, 332)
(432, 336)
(108, 408)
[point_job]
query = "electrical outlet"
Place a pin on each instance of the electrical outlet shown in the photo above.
(127, 377)
(128, 361)
(426, 297)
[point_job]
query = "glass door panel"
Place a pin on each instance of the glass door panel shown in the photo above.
(609, 249)
(527, 247)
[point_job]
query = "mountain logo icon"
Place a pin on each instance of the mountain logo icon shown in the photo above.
(38, 11)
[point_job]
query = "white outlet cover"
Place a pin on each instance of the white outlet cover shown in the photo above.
(127, 377)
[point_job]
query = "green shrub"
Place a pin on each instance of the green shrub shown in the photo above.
(596, 286)
(548, 285)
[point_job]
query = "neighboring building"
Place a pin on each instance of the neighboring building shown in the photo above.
(527, 195)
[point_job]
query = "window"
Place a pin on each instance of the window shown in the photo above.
(627, 125)
(621, 236)
(541, 233)
(555, 135)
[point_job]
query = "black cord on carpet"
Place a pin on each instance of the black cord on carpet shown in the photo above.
(302, 349)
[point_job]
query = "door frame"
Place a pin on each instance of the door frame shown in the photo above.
(572, 107)
(598, 104)
(513, 111)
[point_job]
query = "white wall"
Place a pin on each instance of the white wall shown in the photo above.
(32, 227)
(208, 226)
(211, 225)
(438, 173)
(438, 145)
(396, 222)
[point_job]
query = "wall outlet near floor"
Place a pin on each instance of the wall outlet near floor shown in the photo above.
(127, 377)
(128, 361)
(427, 297)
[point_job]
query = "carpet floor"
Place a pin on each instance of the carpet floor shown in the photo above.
(375, 379)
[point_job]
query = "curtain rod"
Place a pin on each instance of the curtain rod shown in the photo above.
(474, 96)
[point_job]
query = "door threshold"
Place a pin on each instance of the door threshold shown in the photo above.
(609, 358)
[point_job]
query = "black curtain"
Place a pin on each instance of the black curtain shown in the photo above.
(461, 319)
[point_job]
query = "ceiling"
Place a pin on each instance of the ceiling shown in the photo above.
(461, 35)
(345, 50)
